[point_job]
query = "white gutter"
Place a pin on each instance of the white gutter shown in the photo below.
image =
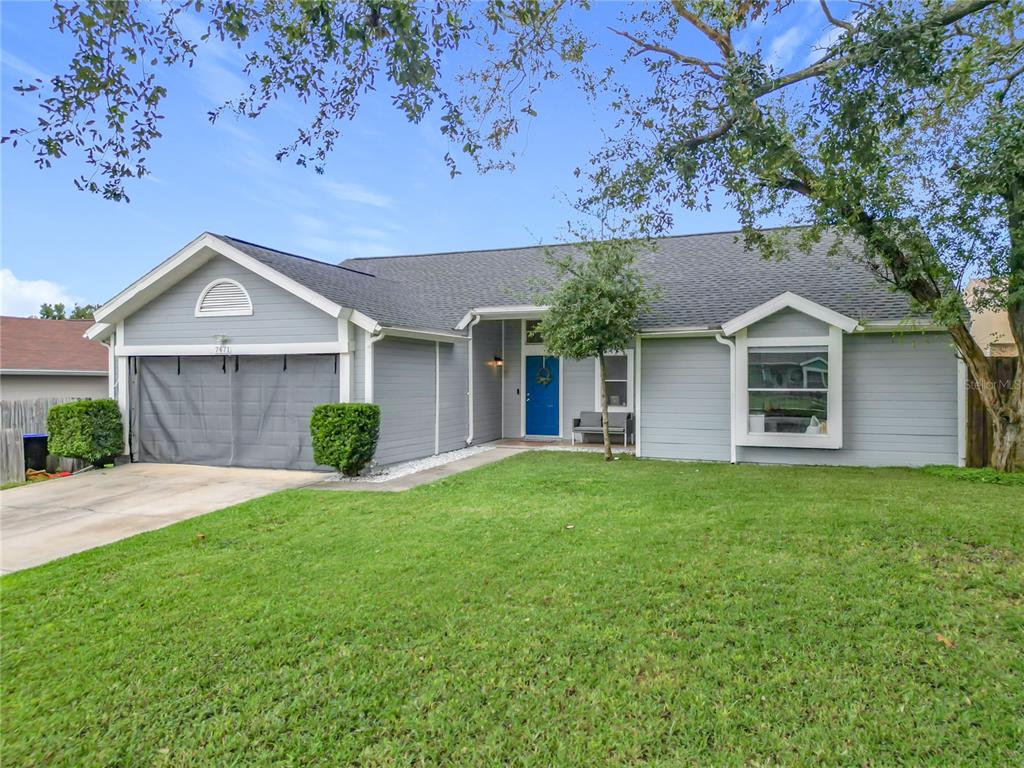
(732, 394)
(472, 324)
(413, 333)
(681, 331)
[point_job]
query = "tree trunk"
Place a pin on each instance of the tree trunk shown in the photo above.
(1005, 404)
(1007, 443)
(604, 411)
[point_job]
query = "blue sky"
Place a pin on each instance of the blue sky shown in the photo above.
(386, 189)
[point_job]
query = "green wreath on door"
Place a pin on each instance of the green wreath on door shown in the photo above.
(544, 376)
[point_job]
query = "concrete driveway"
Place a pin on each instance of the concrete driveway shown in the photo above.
(43, 521)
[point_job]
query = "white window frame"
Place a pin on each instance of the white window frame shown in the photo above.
(222, 312)
(834, 439)
(630, 392)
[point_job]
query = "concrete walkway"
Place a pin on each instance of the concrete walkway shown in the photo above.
(42, 521)
(406, 482)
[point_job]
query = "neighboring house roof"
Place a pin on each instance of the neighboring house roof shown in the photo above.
(705, 280)
(54, 347)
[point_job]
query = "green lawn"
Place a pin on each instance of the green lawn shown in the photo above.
(546, 610)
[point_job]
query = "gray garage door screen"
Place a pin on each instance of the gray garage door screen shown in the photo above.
(232, 411)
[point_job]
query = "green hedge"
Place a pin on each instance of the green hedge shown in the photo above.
(345, 435)
(86, 429)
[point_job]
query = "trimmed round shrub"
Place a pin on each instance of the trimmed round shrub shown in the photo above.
(345, 435)
(86, 429)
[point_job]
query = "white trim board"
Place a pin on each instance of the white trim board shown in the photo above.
(184, 350)
(508, 312)
(741, 427)
(630, 385)
(537, 350)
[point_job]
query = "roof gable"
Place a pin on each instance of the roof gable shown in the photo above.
(791, 301)
(183, 263)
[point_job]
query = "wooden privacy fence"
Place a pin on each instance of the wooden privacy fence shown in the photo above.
(979, 424)
(26, 417)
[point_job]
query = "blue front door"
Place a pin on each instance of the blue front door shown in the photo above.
(541, 395)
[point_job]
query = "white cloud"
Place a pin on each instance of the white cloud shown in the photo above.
(317, 236)
(349, 192)
(22, 67)
(783, 47)
(21, 298)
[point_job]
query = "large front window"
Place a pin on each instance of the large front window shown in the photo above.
(787, 390)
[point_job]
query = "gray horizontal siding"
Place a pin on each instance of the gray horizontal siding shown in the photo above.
(358, 347)
(787, 322)
(684, 399)
(512, 371)
(278, 316)
(486, 381)
(577, 390)
(403, 387)
(899, 405)
(453, 419)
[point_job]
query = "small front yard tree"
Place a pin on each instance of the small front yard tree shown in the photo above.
(595, 305)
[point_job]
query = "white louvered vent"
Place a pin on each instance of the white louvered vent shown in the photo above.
(223, 297)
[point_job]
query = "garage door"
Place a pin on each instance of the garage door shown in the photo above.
(244, 411)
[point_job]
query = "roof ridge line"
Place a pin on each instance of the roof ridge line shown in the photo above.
(558, 245)
(297, 255)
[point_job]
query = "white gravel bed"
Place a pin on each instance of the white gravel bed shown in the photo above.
(394, 471)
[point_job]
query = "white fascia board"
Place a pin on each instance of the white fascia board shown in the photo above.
(360, 320)
(508, 312)
(413, 333)
(895, 326)
(191, 257)
(680, 331)
(47, 372)
(151, 279)
(99, 331)
(789, 300)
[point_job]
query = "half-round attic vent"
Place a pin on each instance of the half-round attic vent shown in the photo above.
(223, 297)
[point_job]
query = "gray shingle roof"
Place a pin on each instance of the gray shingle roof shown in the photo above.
(704, 281)
(386, 301)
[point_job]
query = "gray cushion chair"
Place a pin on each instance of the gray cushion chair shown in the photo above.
(589, 423)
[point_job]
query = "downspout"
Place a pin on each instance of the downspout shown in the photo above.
(469, 436)
(368, 375)
(732, 394)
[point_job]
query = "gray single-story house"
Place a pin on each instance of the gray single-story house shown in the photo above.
(218, 354)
